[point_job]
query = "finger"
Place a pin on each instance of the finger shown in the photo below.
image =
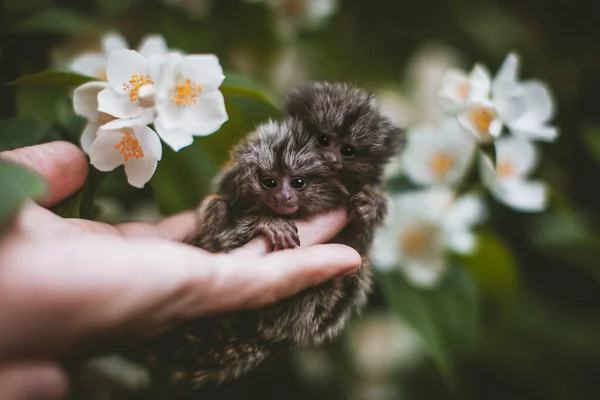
(32, 381)
(257, 282)
(62, 164)
(179, 226)
(315, 230)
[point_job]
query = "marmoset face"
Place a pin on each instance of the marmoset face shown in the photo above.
(353, 136)
(282, 192)
(285, 172)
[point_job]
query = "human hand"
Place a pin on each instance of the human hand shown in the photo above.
(69, 286)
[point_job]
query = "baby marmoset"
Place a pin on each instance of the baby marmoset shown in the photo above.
(340, 131)
(274, 174)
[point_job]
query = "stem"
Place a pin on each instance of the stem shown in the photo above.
(95, 178)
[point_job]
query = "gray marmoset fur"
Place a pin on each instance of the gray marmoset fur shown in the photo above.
(246, 206)
(337, 140)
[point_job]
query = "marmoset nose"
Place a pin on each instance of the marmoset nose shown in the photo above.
(283, 197)
(334, 160)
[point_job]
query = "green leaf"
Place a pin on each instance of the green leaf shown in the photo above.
(566, 236)
(112, 8)
(240, 86)
(493, 268)
(591, 139)
(445, 317)
(17, 185)
(59, 21)
(41, 103)
(54, 78)
(15, 133)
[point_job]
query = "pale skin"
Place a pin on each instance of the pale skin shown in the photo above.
(70, 286)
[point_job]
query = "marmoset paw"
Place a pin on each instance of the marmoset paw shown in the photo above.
(368, 206)
(282, 234)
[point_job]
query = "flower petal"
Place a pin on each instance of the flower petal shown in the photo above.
(122, 65)
(507, 74)
(479, 84)
(540, 103)
(463, 242)
(85, 99)
(103, 154)
(385, 255)
(454, 90)
(90, 64)
(521, 195)
(145, 118)
(210, 113)
(117, 104)
(204, 69)
(114, 41)
(424, 274)
(139, 171)
(466, 211)
(176, 138)
(149, 142)
(521, 154)
(153, 45)
(545, 133)
(89, 135)
(438, 155)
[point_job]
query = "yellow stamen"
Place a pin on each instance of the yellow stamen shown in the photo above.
(129, 146)
(482, 119)
(505, 169)
(185, 93)
(417, 240)
(441, 163)
(134, 85)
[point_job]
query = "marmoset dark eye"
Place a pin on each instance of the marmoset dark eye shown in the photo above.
(268, 183)
(323, 140)
(297, 183)
(348, 151)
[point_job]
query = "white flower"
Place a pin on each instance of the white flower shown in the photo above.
(189, 102)
(527, 106)
(94, 63)
(383, 345)
(85, 104)
(293, 14)
(421, 228)
(470, 96)
(137, 147)
(426, 71)
(131, 78)
(438, 155)
(458, 89)
(515, 159)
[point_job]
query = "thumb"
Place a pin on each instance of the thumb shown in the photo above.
(61, 164)
(32, 381)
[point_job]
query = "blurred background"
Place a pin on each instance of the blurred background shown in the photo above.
(518, 319)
